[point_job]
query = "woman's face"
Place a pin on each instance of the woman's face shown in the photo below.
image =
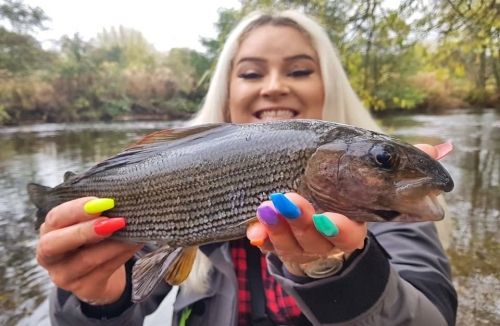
(275, 75)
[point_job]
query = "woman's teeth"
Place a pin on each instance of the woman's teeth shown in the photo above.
(276, 114)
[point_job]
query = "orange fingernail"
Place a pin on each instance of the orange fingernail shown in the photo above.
(257, 243)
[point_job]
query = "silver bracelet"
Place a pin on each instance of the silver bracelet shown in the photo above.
(324, 267)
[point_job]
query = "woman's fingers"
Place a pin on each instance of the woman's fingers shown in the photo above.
(438, 151)
(74, 224)
(350, 235)
(290, 228)
(97, 263)
(74, 250)
(291, 233)
(66, 214)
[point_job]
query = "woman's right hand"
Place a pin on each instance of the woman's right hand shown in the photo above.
(80, 260)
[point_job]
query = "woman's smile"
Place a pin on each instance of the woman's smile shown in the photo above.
(275, 75)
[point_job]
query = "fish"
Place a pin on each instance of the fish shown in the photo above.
(185, 187)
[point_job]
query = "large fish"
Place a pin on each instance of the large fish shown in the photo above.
(184, 187)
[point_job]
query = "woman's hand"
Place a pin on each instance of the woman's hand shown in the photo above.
(290, 229)
(73, 249)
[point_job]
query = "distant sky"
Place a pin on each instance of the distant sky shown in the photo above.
(165, 23)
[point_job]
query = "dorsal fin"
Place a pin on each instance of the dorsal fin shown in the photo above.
(169, 135)
(157, 142)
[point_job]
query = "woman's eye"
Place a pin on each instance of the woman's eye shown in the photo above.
(250, 75)
(301, 73)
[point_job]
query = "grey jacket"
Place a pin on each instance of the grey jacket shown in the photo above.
(401, 277)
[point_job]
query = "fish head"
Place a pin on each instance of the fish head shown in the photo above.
(377, 180)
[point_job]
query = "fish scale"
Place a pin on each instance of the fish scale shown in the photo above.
(172, 208)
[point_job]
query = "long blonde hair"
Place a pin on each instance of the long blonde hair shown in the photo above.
(341, 102)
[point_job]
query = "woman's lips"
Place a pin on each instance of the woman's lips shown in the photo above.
(275, 114)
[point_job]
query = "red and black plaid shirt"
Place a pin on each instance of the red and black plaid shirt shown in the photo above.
(281, 307)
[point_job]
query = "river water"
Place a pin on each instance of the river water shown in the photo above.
(42, 154)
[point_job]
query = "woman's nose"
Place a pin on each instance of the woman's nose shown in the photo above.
(275, 86)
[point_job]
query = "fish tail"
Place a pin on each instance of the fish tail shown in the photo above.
(38, 195)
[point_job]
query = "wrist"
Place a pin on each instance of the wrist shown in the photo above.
(113, 290)
(107, 308)
(319, 268)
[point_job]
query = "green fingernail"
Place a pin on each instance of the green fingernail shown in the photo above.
(324, 225)
(98, 205)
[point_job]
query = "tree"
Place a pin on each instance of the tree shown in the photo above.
(19, 51)
(474, 25)
(125, 46)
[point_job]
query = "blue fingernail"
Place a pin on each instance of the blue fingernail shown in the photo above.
(284, 206)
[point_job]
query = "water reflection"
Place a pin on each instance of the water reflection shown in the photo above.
(43, 153)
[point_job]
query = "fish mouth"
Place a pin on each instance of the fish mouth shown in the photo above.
(426, 208)
(275, 113)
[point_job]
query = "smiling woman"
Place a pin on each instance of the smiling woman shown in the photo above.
(320, 267)
(275, 75)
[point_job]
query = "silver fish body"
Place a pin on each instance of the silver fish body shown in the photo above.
(191, 186)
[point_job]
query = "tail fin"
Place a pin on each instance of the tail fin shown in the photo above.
(38, 195)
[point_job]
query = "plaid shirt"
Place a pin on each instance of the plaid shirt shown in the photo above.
(281, 308)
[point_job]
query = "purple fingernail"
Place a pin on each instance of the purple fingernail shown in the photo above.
(267, 215)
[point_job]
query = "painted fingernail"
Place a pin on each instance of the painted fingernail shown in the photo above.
(267, 215)
(98, 205)
(285, 206)
(257, 242)
(443, 149)
(109, 226)
(324, 225)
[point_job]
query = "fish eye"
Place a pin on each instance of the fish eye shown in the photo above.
(384, 156)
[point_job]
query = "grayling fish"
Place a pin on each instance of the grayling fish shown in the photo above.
(185, 187)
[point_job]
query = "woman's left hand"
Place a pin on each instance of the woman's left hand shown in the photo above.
(299, 236)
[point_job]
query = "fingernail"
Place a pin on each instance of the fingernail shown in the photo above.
(324, 225)
(98, 205)
(443, 149)
(267, 215)
(285, 206)
(109, 226)
(257, 243)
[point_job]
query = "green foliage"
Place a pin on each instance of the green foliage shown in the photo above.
(19, 51)
(125, 46)
(408, 55)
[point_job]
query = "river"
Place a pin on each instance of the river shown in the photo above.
(42, 153)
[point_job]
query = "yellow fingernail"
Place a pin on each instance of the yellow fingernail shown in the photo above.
(98, 205)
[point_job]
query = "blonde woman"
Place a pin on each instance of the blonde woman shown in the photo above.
(272, 67)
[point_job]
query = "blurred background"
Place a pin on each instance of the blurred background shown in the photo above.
(81, 80)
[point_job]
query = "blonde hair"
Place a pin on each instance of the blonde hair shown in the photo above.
(341, 103)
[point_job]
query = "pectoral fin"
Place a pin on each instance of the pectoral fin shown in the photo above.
(248, 222)
(173, 265)
(150, 269)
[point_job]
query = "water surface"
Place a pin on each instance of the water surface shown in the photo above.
(43, 153)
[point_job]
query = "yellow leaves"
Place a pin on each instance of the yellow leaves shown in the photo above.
(460, 71)
(372, 102)
(402, 103)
